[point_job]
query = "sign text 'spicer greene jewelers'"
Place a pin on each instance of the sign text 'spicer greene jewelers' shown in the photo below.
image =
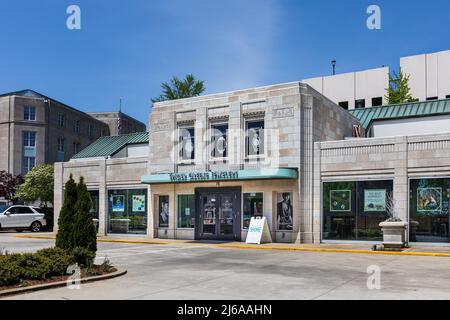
(204, 176)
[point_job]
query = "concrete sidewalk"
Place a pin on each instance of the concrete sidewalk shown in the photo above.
(357, 248)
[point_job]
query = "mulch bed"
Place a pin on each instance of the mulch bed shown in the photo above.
(95, 271)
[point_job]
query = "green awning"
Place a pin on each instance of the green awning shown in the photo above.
(242, 175)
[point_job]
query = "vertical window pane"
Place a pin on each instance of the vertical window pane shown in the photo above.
(255, 138)
(253, 207)
(429, 210)
(219, 140)
(186, 211)
(187, 144)
(163, 211)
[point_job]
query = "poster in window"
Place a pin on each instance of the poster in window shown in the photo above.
(219, 134)
(163, 211)
(429, 200)
(375, 200)
(118, 203)
(340, 200)
(255, 142)
(285, 212)
(139, 203)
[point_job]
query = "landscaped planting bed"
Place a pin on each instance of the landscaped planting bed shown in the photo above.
(47, 266)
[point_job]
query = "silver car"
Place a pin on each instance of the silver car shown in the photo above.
(22, 218)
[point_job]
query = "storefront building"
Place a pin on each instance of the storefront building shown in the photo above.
(217, 161)
(284, 152)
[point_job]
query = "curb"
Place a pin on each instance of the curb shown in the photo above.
(60, 284)
(420, 254)
(100, 240)
(273, 248)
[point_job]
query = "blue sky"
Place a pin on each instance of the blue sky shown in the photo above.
(126, 49)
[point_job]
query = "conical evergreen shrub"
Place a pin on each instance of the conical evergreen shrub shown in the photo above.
(64, 239)
(84, 231)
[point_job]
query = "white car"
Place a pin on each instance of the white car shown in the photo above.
(23, 218)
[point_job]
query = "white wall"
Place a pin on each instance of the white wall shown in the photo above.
(429, 74)
(353, 86)
(411, 126)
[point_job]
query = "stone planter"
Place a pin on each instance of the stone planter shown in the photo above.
(394, 234)
(120, 225)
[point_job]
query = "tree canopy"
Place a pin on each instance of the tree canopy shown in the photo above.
(38, 185)
(181, 88)
(9, 184)
(399, 90)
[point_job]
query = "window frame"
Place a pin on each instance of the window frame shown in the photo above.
(243, 198)
(61, 143)
(61, 120)
(212, 145)
(247, 143)
(178, 211)
(29, 110)
(180, 145)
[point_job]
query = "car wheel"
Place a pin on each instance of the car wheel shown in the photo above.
(36, 226)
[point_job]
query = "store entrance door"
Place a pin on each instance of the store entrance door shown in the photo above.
(219, 214)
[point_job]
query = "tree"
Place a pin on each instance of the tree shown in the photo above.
(84, 231)
(64, 238)
(9, 184)
(179, 89)
(399, 90)
(38, 185)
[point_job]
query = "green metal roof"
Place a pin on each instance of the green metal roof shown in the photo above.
(405, 110)
(109, 146)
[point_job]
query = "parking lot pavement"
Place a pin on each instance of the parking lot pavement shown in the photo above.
(208, 272)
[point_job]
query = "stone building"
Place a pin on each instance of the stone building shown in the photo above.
(119, 122)
(35, 129)
(283, 152)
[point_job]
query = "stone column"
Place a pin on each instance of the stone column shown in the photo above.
(306, 170)
(58, 194)
(317, 196)
(102, 201)
(401, 195)
(151, 227)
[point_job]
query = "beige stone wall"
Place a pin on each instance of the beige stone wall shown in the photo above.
(101, 175)
(270, 189)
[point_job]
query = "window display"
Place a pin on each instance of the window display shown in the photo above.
(253, 207)
(255, 138)
(186, 211)
(163, 211)
(285, 212)
(429, 210)
(127, 212)
(354, 210)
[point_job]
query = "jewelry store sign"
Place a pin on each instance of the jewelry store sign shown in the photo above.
(204, 176)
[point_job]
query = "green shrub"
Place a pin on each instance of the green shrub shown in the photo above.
(41, 265)
(82, 256)
(9, 272)
(33, 266)
(58, 258)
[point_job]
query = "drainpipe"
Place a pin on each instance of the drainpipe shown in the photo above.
(9, 135)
